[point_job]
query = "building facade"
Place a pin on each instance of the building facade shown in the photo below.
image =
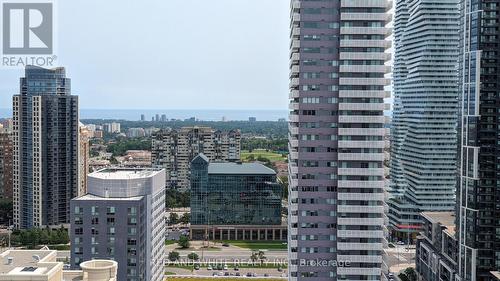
(122, 217)
(42, 265)
(337, 79)
(45, 137)
(6, 160)
(174, 150)
(112, 128)
(83, 161)
(478, 191)
(235, 201)
(436, 251)
(423, 136)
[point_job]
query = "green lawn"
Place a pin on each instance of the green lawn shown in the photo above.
(170, 242)
(259, 245)
(272, 156)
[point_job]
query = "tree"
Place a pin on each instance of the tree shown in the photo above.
(258, 255)
(174, 218)
(410, 272)
(185, 218)
(173, 256)
(193, 256)
(183, 242)
(403, 277)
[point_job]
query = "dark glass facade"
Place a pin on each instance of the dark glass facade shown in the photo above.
(234, 194)
(478, 190)
(45, 137)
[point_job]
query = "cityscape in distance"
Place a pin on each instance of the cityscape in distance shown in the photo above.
(350, 140)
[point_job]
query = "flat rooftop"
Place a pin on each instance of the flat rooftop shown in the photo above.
(445, 218)
(23, 262)
(124, 173)
(96, 197)
(240, 169)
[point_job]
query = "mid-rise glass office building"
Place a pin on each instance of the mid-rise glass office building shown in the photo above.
(234, 197)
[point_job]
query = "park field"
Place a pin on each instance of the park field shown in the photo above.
(262, 153)
(259, 245)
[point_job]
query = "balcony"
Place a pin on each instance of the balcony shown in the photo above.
(360, 221)
(360, 258)
(293, 106)
(364, 56)
(359, 246)
(366, 17)
(365, 81)
(294, 71)
(366, 43)
(363, 106)
(386, 31)
(360, 209)
(361, 144)
(295, 5)
(361, 196)
(361, 184)
(294, 83)
(295, 32)
(361, 132)
(358, 271)
(361, 171)
(360, 119)
(361, 157)
(294, 94)
(295, 45)
(364, 94)
(365, 68)
(360, 233)
(366, 3)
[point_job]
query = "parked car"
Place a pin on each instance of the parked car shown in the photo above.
(236, 268)
(220, 273)
(390, 274)
(214, 274)
(226, 273)
(237, 274)
(225, 245)
(225, 267)
(196, 267)
(400, 243)
(266, 275)
(209, 267)
(219, 267)
(249, 274)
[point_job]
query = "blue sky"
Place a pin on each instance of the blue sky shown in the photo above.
(171, 54)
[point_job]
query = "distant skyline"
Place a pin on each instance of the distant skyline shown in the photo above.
(181, 54)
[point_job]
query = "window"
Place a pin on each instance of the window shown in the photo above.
(78, 210)
(132, 211)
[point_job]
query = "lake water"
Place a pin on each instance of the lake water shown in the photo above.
(202, 114)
